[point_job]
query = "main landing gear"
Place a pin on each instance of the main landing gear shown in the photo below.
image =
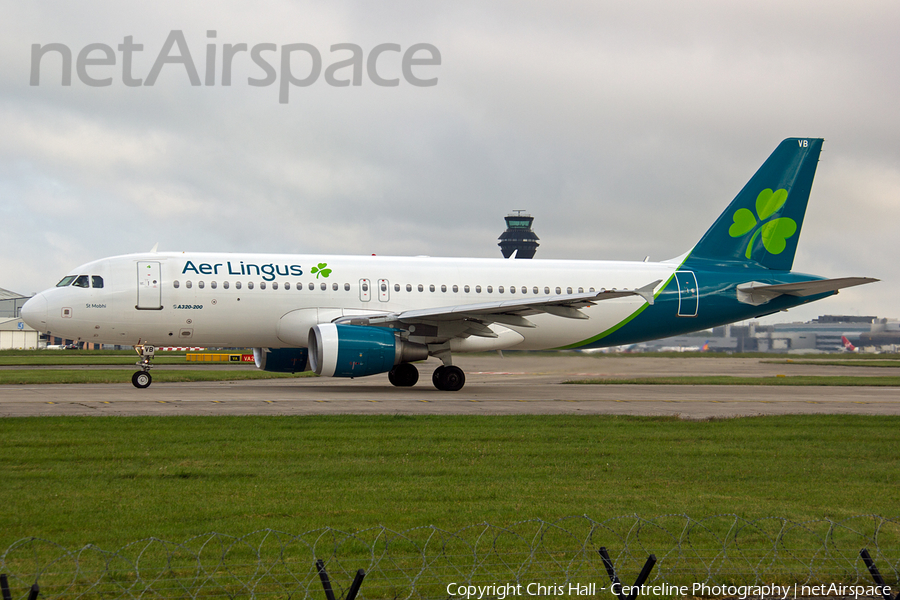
(448, 378)
(445, 378)
(142, 379)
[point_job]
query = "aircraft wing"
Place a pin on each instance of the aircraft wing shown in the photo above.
(756, 293)
(507, 312)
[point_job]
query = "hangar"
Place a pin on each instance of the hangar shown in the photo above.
(14, 333)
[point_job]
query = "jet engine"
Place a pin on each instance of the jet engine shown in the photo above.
(281, 360)
(358, 350)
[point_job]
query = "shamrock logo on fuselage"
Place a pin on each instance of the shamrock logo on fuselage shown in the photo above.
(775, 232)
(321, 270)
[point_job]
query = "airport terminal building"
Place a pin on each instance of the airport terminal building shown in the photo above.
(14, 333)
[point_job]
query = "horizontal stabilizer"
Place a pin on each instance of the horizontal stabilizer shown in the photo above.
(756, 293)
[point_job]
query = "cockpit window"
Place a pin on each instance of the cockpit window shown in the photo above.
(67, 280)
(96, 281)
(82, 281)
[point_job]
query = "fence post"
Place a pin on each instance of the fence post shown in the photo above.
(326, 582)
(4, 586)
(617, 585)
(876, 576)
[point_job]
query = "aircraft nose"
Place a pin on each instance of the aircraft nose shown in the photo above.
(34, 313)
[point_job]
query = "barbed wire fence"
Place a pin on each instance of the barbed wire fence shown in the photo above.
(423, 562)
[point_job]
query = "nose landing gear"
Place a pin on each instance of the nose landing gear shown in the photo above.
(142, 379)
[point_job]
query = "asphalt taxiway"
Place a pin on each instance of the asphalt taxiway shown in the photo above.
(516, 384)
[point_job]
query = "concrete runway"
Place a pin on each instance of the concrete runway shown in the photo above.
(516, 384)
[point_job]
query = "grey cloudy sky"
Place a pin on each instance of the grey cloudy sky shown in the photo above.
(624, 127)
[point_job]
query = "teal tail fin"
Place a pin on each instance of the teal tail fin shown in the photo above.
(761, 226)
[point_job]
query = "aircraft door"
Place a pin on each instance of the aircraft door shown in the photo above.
(365, 290)
(149, 286)
(384, 290)
(688, 296)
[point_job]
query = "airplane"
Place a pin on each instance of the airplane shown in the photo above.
(354, 316)
(846, 346)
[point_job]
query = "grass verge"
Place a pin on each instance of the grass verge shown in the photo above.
(111, 480)
(797, 380)
(60, 376)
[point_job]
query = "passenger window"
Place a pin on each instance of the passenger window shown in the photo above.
(581, 290)
(213, 284)
(82, 281)
(312, 286)
(346, 287)
(559, 290)
(262, 285)
(512, 289)
(287, 285)
(408, 287)
(396, 287)
(175, 284)
(188, 284)
(324, 287)
(535, 290)
(444, 288)
(525, 290)
(421, 289)
(237, 285)
(592, 290)
(499, 289)
(477, 289)
(466, 289)
(547, 291)
(201, 285)
(383, 287)
(490, 289)
(455, 289)
(431, 288)
(249, 285)
(96, 281)
(274, 285)
(225, 284)
(334, 287)
(568, 290)
(67, 280)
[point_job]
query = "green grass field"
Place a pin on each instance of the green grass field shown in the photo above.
(109, 481)
(57, 376)
(795, 380)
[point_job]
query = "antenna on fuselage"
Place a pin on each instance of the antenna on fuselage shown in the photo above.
(155, 246)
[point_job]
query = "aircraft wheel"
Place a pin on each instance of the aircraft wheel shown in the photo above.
(436, 377)
(141, 379)
(403, 375)
(449, 379)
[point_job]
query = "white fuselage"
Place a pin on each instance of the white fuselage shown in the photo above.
(271, 300)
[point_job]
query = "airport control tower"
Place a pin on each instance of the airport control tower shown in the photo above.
(518, 236)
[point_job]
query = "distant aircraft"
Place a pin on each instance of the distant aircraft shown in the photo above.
(848, 347)
(352, 316)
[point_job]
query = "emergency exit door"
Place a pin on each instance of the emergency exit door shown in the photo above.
(688, 296)
(149, 286)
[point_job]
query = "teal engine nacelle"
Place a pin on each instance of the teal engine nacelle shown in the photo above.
(282, 360)
(358, 350)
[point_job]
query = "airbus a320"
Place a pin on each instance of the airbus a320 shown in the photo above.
(355, 316)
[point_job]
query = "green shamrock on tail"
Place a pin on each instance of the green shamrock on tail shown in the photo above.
(774, 233)
(321, 270)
